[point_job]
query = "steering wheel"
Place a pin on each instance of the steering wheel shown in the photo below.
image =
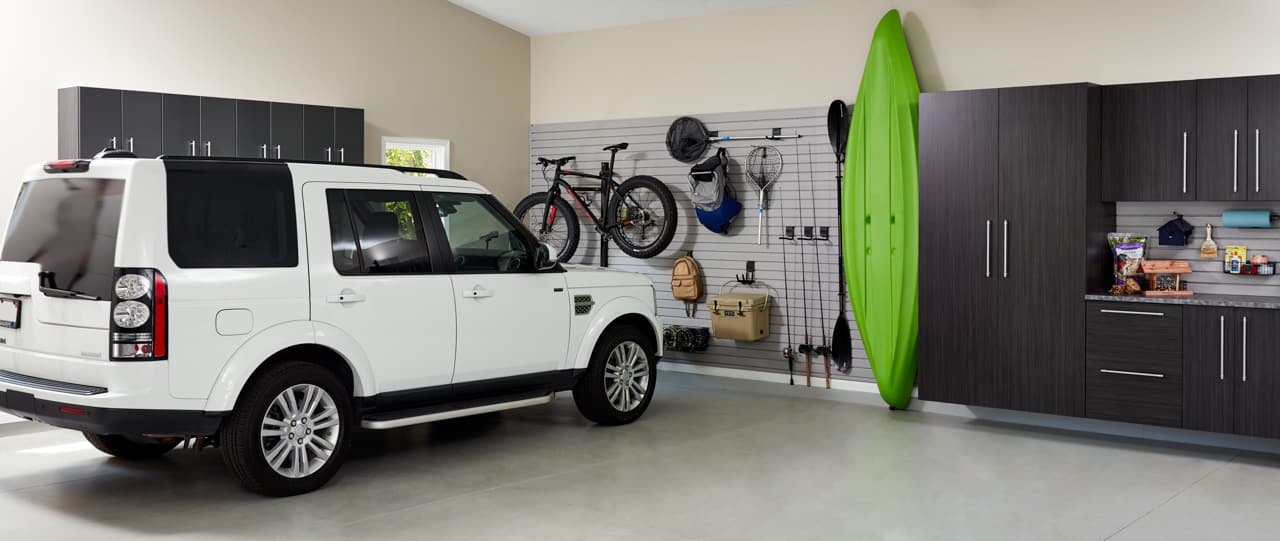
(512, 261)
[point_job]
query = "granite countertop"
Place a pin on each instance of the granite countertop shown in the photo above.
(1199, 299)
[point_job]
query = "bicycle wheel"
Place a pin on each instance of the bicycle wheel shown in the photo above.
(561, 233)
(645, 212)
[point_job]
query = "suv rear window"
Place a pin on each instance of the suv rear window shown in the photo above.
(69, 227)
(224, 215)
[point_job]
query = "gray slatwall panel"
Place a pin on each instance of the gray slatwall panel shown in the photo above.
(1145, 217)
(794, 199)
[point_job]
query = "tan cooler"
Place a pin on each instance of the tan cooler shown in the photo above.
(739, 316)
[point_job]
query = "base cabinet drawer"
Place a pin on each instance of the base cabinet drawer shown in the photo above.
(1151, 398)
(1133, 360)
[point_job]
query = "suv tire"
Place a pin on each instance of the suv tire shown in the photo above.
(618, 384)
(288, 400)
(131, 448)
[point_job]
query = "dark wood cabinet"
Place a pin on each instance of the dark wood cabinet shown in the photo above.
(1208, 365)
(217, 127)
(142, 123)
(1222, 149)
(959, 146)
(1257, 392)
(89, 120)
(1019, 343)
(1134, 363)
(181, 125)
(286, 131)
(253, 129)
(1262, 138)
(317, 138)
(1149, 141)
(348, 135)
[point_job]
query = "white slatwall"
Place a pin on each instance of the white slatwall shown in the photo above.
(803, 195)
(1145, 217)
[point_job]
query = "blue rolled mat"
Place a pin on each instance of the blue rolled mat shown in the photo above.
(1246, 218)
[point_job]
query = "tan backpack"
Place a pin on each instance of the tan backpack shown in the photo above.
(686, 283)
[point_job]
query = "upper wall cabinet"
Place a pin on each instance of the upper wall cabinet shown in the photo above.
(1222, 111)
(1262, 139)
(1149, 142)
(151, 124)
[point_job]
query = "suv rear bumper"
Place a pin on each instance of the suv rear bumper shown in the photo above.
(98, 420)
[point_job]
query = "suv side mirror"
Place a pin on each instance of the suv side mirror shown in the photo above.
(545, 257)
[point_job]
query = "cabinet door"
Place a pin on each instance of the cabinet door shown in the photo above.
(1043, 175)
(958, 152)
(1149, 142)
(1208, 367)
(100, 121)
(1263, 138)
(1221, 142)
(1257, 394)
(348, 135)
(317, 131)
(253, 129)
(286, 131)
(217, 127)
(181, 125)
(142, 123)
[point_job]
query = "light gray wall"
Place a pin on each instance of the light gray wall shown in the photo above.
(1145, 217)
(794, 199)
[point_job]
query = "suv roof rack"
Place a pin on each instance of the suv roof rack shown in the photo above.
(442, 173)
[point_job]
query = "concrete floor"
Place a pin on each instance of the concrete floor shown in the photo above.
(712, 459)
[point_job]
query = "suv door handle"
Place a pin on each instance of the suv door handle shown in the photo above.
(344, 298)
(476, 293)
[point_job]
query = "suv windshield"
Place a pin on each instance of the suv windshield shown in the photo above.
(68, 226)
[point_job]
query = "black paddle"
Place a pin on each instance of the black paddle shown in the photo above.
(838, 134)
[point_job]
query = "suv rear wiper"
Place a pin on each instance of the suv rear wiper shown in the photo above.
(67, 294)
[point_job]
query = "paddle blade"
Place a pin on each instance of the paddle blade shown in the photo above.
(842, 344)
(838, 127)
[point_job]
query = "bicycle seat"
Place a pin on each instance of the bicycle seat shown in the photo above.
(619, 146)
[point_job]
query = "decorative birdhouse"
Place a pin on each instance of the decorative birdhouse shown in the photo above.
(1164, 278)
(1175, 232)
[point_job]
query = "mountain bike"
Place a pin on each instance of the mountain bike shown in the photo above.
(640, 213)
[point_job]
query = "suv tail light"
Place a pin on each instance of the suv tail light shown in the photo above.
(67, 166)
(139, 315)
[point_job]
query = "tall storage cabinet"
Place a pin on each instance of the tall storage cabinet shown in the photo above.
(1001, 309)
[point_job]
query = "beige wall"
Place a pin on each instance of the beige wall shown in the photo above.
(807, 54)
(419, 68)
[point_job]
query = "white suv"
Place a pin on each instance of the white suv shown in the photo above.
(272, 309)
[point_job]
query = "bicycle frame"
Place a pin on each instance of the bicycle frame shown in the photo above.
(606, 188)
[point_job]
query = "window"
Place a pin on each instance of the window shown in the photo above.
(69, 227)
(231, 215)
(482, 240)
(408, 152)
(376, 232)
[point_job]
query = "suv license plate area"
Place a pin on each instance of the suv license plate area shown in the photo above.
(10, 312)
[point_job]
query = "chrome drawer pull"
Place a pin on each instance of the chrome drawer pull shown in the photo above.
(1131, 312)
(1127, 373)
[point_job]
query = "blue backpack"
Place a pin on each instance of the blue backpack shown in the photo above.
(711, 194)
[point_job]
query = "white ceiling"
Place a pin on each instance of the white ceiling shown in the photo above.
(544, 17)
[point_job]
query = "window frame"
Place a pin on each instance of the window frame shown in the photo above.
(425, 234)
(442, 239)
(433, 146)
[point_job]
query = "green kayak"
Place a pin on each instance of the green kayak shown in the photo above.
(881, 207)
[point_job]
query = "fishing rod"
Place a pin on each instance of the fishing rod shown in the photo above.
(811, 232)
(788, 353)
(807, 234)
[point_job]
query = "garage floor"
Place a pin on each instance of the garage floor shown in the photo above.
(712, 459)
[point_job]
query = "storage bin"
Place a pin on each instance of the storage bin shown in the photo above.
(739, 316)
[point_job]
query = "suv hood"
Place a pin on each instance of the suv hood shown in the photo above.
(587, 276)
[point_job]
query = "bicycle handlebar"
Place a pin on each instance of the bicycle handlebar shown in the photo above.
(557, 161)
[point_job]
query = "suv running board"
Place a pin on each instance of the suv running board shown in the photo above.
(397, 419)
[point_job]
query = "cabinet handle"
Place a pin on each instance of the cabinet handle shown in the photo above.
(263, 146)
(1184, 162)
(1235, 161)
(987, 260)
(130, 141)
(342, 157)
(1131, 312)
(1244, 349)
(1222, 347)
(208, 148)
(193, 147)
(328, 154)
(1004, 261)
(1257, 135)
(113, 142)
(1128, 373)
(277, 152)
